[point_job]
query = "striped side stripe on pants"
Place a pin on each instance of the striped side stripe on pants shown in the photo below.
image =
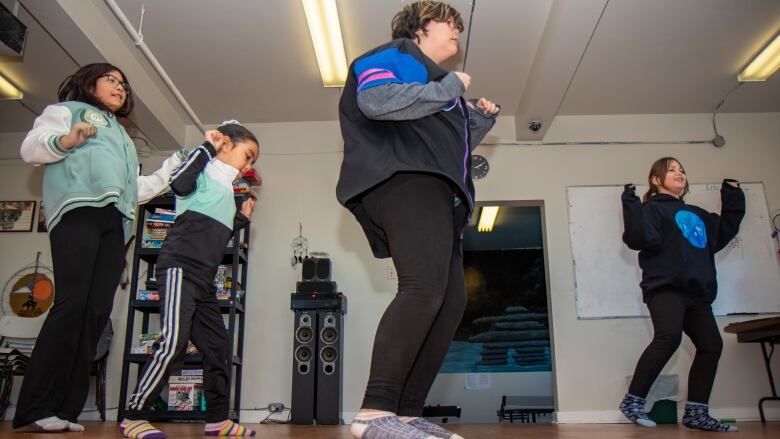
(170, 337)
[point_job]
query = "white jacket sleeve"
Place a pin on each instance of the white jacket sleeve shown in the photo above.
(149, 186)
(42, 145)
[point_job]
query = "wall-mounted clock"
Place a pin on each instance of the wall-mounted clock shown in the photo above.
(479, 167)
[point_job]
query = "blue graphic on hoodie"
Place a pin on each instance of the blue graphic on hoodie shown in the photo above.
(692, 228)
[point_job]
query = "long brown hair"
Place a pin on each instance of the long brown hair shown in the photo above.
(659, 170)
(417, 15)
(80, 86)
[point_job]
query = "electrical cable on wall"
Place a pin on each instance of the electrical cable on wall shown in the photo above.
(141, 26)
(468, 34)
(719, 140)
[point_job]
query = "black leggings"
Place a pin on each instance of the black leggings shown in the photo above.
(422, 228)
(673, 313)
(88, 252)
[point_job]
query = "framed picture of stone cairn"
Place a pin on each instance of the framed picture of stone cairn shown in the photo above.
(16, 216)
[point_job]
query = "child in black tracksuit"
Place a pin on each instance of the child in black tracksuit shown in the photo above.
(677, 243)
(205, 220)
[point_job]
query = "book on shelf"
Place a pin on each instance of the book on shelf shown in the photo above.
(185, 390)
(184, 397)
(154, 335)
(157, 226)
(147, 295)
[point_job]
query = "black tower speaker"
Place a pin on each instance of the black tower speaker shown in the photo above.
(316, 269)
(329, 367)
(304, 374)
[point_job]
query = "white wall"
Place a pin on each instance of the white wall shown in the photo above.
(593, 357)
(299, 164)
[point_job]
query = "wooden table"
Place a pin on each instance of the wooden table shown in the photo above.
(767, 333)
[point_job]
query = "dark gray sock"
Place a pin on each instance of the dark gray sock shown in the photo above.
(633, 407)
(388, 427)
(433, 429)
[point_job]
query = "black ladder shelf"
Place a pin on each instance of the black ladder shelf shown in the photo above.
(237, 257)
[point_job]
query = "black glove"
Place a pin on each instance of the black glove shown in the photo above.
(629, 192)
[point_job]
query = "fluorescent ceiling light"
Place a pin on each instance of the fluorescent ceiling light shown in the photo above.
(8, 90)
(487, 218)
(764, 64)
(325, 29)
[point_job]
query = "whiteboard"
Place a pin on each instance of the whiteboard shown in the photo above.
(607, 273)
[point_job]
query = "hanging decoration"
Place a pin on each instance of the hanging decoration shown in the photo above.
(300, 247)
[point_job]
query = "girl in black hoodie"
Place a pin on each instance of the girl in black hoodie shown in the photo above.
(677, 243)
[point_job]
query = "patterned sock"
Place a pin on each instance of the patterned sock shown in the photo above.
(384, 425)
(697, 416)
(633, 407)
(73, 426)
(227, 428)
(429, 427)
(140, 430)
(52, 423)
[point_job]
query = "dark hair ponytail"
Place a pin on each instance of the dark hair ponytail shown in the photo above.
(80, 86)
(236, 132)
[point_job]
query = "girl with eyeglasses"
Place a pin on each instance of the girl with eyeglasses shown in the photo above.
(91, 186)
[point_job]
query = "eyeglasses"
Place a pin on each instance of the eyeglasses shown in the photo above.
(113, 81)
(453, 25)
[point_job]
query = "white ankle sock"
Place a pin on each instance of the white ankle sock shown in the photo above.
(52, 423)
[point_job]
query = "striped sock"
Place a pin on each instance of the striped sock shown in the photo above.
(140, 430)
(227, 428)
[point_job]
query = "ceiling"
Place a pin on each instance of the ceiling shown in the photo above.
(254, 61)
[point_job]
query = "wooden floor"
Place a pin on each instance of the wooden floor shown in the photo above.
(752, 430)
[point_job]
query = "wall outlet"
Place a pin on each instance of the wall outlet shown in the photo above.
(391, 274)
(275, 407)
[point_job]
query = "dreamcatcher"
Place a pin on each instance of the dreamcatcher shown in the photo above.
(30, 291)
(300, 247)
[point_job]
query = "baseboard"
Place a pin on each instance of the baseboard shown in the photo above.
(590, 417)
(742, 414)
(254, 416)
(89, 414)
(747, 413)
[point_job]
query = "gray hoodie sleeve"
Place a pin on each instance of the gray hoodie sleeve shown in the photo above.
(479, 124)
(393, 101)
